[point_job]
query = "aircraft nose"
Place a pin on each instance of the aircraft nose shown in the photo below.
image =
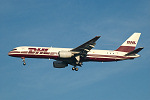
(9, 53)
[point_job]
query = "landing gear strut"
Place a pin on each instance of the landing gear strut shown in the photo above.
(23, 60)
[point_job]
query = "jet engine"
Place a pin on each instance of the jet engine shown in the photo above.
(59, 64)
(65, 54)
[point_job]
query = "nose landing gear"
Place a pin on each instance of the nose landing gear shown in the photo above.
(23, 60)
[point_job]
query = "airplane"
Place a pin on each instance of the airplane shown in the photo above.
(83, 53)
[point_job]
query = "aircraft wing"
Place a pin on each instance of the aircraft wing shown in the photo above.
(87, 46)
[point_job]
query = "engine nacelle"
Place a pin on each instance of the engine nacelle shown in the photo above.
(65, 54)
(59, 64)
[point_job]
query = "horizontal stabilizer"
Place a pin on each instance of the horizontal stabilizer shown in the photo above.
(134, 51)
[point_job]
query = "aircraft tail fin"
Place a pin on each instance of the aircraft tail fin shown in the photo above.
(134, 51)
(130, 44)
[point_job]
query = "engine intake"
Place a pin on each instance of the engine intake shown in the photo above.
(65, 54)
(59, 64)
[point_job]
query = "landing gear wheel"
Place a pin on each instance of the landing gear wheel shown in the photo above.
(24, 63)
(73, 68)
(76, 69)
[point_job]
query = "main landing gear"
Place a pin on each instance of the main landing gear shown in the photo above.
(75, 68)
(77, 64)
(23, 60)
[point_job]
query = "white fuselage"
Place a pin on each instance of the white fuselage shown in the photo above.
(53, 53)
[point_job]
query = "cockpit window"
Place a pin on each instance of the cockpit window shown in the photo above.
(14, 49)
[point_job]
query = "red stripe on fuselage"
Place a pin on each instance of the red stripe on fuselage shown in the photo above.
(101, 59)
(34, 56)
(14, 52)
(97, 56)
